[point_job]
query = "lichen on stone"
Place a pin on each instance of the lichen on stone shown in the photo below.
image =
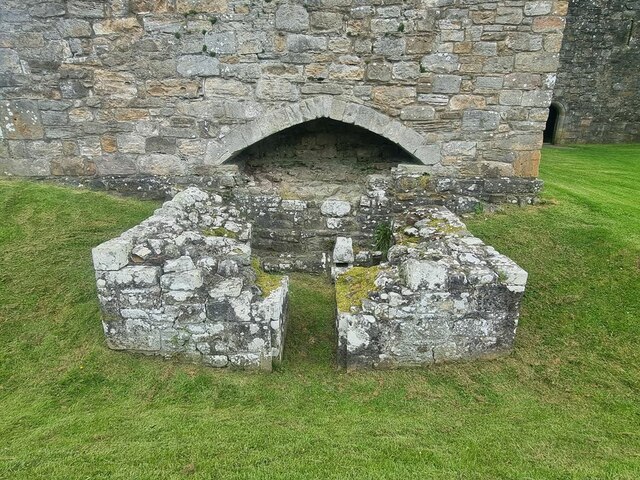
(353, 286)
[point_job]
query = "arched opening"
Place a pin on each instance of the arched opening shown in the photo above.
(320, 158)
(229, 145)
(552, 128)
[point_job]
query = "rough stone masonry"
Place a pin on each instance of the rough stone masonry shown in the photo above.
(178, 87)
(182, 284)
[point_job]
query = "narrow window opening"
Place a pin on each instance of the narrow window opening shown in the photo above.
(549, 135)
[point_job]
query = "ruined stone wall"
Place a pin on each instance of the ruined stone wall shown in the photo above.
(182, 284)
(443, 295)
(598, 84)
(161, 87)
(185, 283)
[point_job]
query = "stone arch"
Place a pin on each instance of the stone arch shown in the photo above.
(274, 121)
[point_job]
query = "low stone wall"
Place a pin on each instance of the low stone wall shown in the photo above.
(182, 284)
(444, 295)
(296, 234)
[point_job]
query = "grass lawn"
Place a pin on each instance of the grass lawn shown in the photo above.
(565, 404)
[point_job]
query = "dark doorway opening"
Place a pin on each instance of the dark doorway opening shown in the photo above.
(549, 135)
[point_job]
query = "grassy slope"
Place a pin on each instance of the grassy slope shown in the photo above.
(564, 405)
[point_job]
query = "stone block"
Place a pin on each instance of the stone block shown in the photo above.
(73, 27)
(221, 43)
(509, 15)
(276, 90)
(446, 83)
(115, 85)
(393, 97)
(335, 208)
(424, 273)
(306, 43)
(346, 72)
(20, 120)
(111, 255)
(116, 25)
(554, 24)
(292, 18)
(326, 21)
(537, 98)
(538, 7)
(417, 113)
(343, 250)
(406, 70)
(86, 8)
(204, 6)
(391, 47)
(173, 88)
(440, 63)
(480, 120)
(220, 87)
(160, 164)
(198, 65)
(538, 62)
(463, 102)
(378, 71)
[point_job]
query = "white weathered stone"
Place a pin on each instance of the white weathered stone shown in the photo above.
(343, 250)
(424, 273)
(335, 208)
(178, 265)
(111, 255)
(184, 280)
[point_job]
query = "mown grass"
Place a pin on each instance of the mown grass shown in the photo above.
(565, 404)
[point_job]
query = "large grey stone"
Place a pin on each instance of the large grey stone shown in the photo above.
(292, 18)
(335, 208)
(343, 250)
(198, 65)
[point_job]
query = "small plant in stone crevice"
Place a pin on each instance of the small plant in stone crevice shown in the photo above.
(478, 209)
(401, 27)
(204, 48)
(383, 236)
(177, 35)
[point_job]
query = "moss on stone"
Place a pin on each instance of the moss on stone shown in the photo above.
(424, 181)
(444, 227)
(267, 282)
(404, 239)
(353, 286)
(219, 232)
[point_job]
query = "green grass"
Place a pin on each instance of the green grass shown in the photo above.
(565, 404)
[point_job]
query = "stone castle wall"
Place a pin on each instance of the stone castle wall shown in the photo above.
(177, 87)
(598, 84)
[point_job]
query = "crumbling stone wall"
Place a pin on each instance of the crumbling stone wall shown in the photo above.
(181, 284)
(177, 87)
(444, 295)
(598, 86)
